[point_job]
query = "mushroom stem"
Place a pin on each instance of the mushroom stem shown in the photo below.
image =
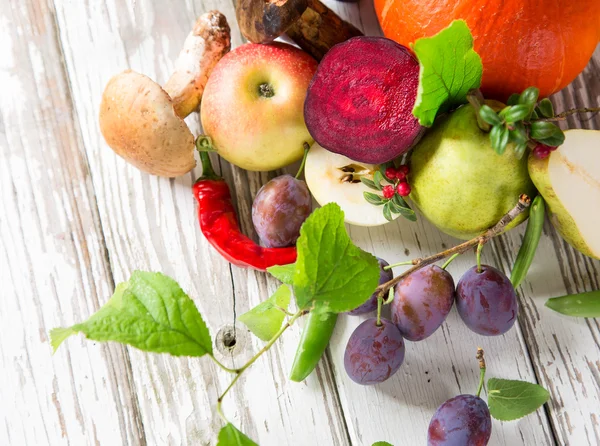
(206, 44)
(319, 28)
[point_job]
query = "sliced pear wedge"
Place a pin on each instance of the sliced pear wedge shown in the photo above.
(569, 181)
(335, 178)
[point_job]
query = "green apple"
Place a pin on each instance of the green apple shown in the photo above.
(569, 181)
(253, 105)
(460, 183)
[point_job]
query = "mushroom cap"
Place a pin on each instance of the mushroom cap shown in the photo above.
(139, 123)
(262, 21)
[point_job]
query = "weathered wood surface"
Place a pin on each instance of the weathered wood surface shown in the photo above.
(76, 219)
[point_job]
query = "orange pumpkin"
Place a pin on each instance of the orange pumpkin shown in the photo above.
(521, 42)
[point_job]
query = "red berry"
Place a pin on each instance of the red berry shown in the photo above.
(390, 172)
(404, 169)
(542, 151)
(552, 148)
(400, 175)
(403, 189)
(388, 191)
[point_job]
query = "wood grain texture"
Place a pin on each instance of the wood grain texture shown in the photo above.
(52, 255)
(94, 218)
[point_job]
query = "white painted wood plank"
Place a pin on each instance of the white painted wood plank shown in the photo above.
(150, 223)
(53, 264)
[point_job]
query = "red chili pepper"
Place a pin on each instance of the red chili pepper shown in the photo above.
(219, 225)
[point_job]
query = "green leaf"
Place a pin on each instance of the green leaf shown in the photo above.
(499, 138)
(370, 184)
(513, 99)
(509, 399)
(546, 108)
(387, 213)
(377, 178)
(229, 435)
(283, 273)
(373, 198)
(399, 206)
(332, 273)
(579, 305)
(518, 135)
(382, 443)
(489, 115)
(150, 312)
(535, 114)
(535, 224)
(265, 319)
(547, 133)
(529, 97)
(517, 113)
(449, 68)
(520, 150)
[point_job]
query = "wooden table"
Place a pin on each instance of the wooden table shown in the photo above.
(76, 219)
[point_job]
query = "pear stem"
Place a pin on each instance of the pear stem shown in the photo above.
(476, 99)
(498, 228)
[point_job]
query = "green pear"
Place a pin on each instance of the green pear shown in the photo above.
(460, 183)
(569, 181)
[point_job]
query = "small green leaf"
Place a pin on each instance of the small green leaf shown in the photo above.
(518, 135)
(499, 138)
(535, 224)
(399, 206)
(400, 201)
(378, 178)
(283, 273)
(449, 68)
(229, 435)
(513, 99)
(372, 198)
(394, 207)
(387, 213)
(547, 133)
(546, 108)
(382, 443)
(150, 312)
(535, 114)
(529, 97)
(332, 274)
(265, 319)
(489, 115)
(579, 305)
(58, 335)
(517, 113)
(370, 184)
(509, 399)
(520, 150)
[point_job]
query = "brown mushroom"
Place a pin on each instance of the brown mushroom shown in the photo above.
(143, 123)
(309, 23)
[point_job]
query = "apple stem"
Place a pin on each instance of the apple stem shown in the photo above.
(498, 228)
(476, 99)
(481, 360)
(306, 149)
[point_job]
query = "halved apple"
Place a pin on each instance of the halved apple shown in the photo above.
(569, 181)
(335, 178)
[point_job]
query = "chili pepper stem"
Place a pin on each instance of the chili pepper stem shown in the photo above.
(301, 168)
(252, 360)
(481, 360)
(449, 261)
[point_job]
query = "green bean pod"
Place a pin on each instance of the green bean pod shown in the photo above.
(315, 338)
(579, 305)
(535, 224)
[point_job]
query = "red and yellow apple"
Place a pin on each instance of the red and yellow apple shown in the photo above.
(253, 105)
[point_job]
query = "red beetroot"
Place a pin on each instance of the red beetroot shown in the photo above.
(359, 103)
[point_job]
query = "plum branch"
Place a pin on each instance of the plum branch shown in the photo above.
(498, 228)
(562, 116)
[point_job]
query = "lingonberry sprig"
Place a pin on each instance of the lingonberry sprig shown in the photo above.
(392, 182)
(524, 122)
